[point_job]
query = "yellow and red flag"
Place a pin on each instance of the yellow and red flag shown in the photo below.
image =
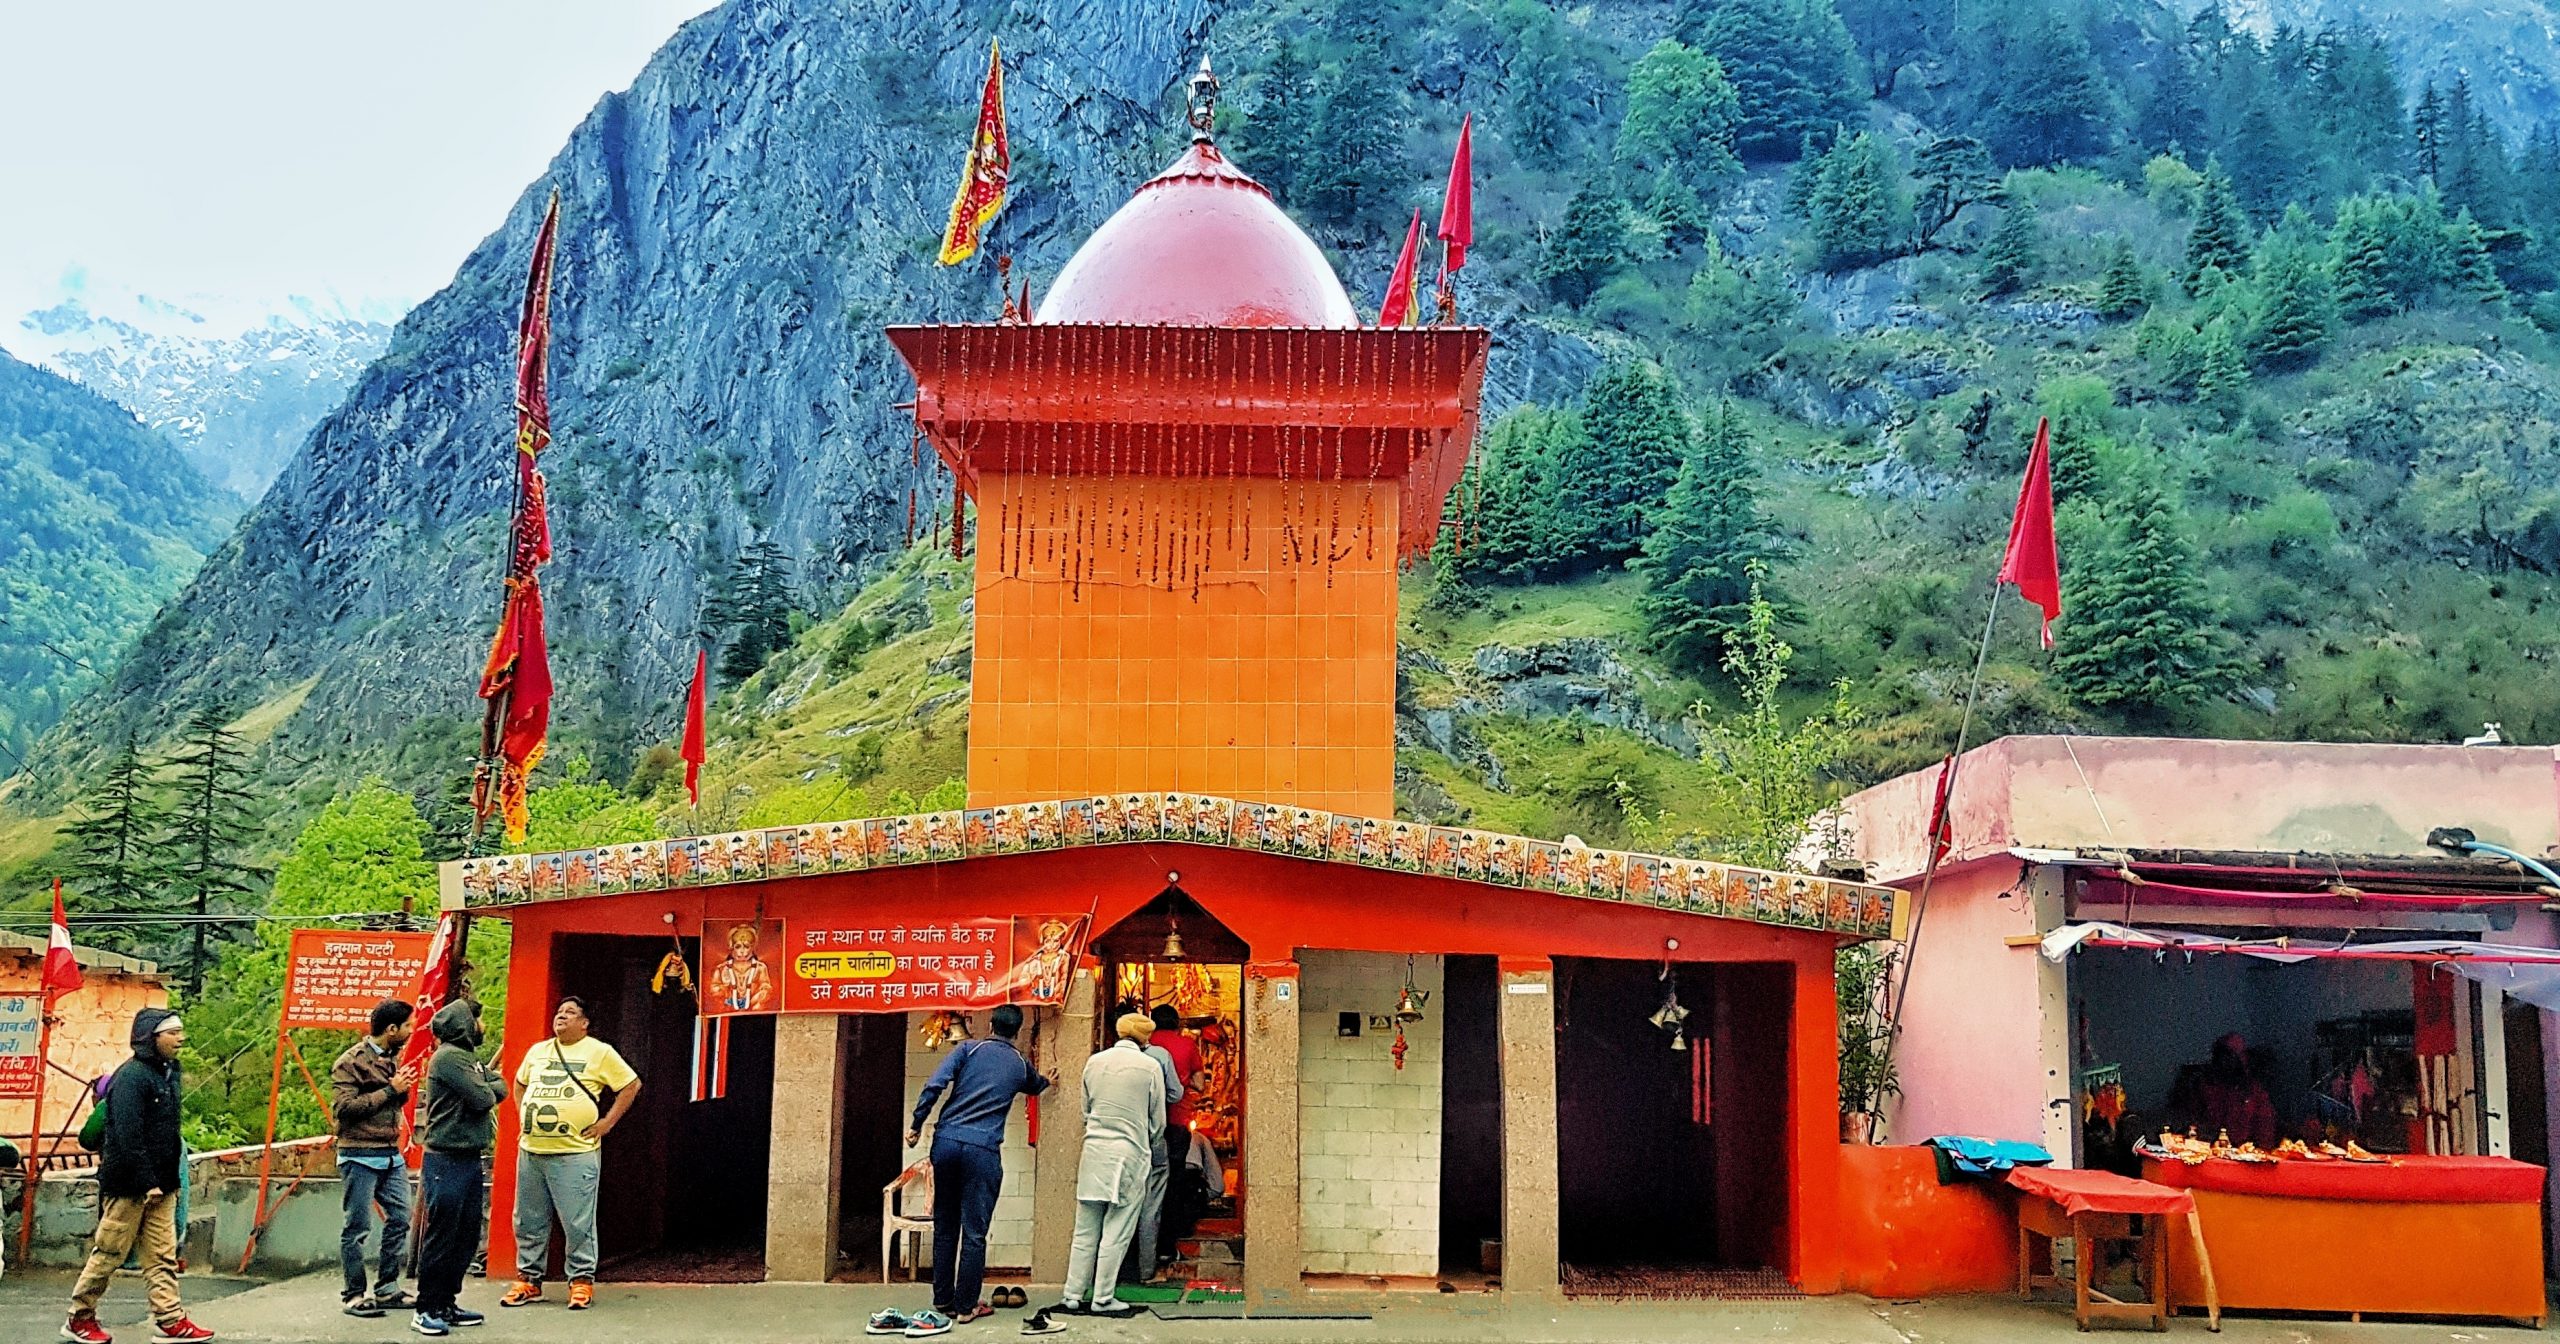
(516, 681)
(1403, 307)
(987, 174)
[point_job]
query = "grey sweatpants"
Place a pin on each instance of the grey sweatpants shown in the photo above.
(1102, 1238)
(558, 1186)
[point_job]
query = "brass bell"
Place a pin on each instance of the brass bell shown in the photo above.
(1173, 943)
(1408, 1006)
(1679, 1039)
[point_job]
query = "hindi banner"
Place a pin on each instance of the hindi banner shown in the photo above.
(334, 977)
(21, 1024)
(890, 965)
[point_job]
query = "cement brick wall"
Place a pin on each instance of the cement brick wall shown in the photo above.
(1368, 1134)
(1009, 1236)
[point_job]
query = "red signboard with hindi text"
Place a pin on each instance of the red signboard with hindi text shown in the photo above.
(889, 965)
(334, 977)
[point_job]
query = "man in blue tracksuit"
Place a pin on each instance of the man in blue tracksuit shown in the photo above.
(976, 1086)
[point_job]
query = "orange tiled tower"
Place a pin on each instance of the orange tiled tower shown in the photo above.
(1196, 475)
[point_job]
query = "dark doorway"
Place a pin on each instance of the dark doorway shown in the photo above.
(1672, 1158)
(1470, 1112)
(684, 1181)
(875, 1119)
(2528, 1105)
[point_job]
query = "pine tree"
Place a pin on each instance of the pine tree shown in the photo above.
(2173, 113)
(1274, 139)
(1361, 158)
(2220, 238)
(2472, 275)
(2012, 258)
(2221, 374)
(1707, 539)
(2265, 172)
(2123, 289)
(2140, 634)
(212, 823)
(2045, 100)
(1681, 117)
(754, 608)
(2296, 308)
(1952, 172)
(2078, 408)
(1674, 205)
(1587, 248)
(2360, 243)
(2426, 131)
(118, 865)
(1534, 505)
(1792, 66)
(1641, 436)
(1533, 79)
(1855, 214)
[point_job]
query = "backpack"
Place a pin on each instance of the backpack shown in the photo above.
(93, 1131)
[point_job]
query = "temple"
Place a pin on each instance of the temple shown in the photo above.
(1437, 1054)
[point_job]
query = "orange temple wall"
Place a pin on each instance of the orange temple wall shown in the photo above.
(1223, 636)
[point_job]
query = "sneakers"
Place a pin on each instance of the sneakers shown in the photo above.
(525, 1293)
(582, 1294)
(83, 1328)
(460, 1317)
(180, 1331)
(1112, 1311)
(431, 1326)
(927, 1324)
(1041, 1323)
(364, 1306)
(889, 1321)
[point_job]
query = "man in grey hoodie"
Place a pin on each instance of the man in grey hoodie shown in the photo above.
(462, 1097)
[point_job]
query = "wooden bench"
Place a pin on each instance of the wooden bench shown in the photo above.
(2098, 1206)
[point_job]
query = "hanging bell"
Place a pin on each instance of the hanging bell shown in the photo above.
(1173, 943)
(1679, 1039)
(1408, 1007)
(1669, 1016)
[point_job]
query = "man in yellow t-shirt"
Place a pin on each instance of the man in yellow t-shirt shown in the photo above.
(562, 1086)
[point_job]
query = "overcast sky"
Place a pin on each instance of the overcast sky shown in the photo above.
(253, 150)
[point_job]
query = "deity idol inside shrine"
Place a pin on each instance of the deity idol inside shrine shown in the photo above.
(1435, 1053)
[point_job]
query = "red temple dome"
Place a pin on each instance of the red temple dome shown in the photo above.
(1201, 245)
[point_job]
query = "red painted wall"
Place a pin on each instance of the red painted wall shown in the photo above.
(1277, 905)
(1908, 1236)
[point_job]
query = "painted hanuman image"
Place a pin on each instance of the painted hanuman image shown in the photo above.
(742, 983)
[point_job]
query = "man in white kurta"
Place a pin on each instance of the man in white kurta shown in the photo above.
(1123, 1117)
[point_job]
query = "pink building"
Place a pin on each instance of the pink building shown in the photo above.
(2007, 1034)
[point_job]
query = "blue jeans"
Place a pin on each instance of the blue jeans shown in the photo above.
(966, 1181)
(454, 1188)
(360, 1189)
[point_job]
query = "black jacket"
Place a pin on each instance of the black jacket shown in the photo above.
(141, 1152)
(462, 1092)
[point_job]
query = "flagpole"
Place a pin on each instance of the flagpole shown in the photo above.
(33, 1180)
(1929, 870)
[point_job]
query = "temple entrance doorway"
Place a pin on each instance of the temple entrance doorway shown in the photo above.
(1671, 1147)
(1173, 952)
(684, 1186)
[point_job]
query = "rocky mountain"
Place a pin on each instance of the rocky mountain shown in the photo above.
(2510, 49)
(100, 521)
(737, 226)
(237, 394)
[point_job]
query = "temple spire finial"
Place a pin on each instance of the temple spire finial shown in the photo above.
(1203, 102)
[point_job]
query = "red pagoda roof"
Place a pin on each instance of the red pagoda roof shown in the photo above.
(1200, 245)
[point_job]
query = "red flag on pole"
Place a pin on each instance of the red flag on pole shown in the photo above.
(1458, 203)
(1942, 837)
(986, 175)
(433, 989)
(2032, 562)
(61, 967)
(516, 681)
(1403, 308)
(694, 703)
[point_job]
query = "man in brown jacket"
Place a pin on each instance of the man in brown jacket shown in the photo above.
(368, 1087)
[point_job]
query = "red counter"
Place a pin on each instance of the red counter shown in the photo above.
(2420, 1236)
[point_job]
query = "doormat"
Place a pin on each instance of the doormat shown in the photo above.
(1679, 1284)
(1237, 1311)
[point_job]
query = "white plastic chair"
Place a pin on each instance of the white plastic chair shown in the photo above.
(912, 1190)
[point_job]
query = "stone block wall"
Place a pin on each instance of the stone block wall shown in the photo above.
(1009, 1236)
(1369, 1133)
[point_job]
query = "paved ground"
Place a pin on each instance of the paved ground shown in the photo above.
(304, 1311)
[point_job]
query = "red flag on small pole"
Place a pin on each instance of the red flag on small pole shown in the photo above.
(1457, 229)
(1942, 837)
(694, 703)
(986, 174)
(1401, 307)
(2033, 563)
(61, 966)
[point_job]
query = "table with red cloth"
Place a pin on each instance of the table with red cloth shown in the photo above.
(2095, 1206)
(2418, 1235)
